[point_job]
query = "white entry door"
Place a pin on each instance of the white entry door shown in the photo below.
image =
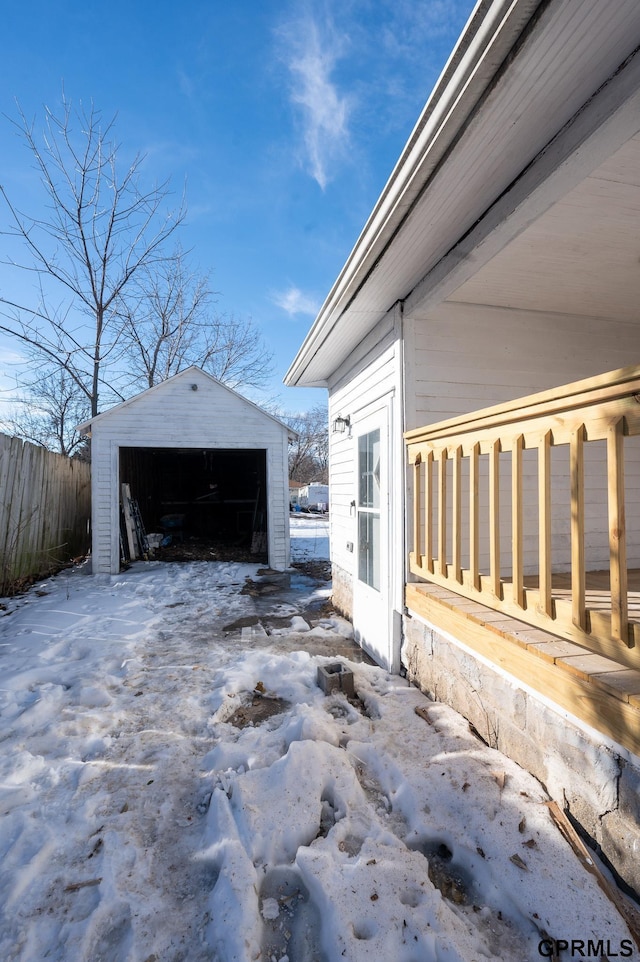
(371, 616)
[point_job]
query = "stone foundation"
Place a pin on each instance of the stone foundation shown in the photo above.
(342, 593)
(599, 787)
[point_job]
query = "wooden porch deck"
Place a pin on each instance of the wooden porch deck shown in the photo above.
(598, 690)
(597, 590)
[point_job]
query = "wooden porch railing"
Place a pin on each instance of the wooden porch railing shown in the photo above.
(465, 527)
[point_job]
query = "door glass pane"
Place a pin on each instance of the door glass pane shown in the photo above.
(369, 470)
(369, 509)
(369, 548)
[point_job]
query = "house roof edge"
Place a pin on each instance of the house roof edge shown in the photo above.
(491, 32)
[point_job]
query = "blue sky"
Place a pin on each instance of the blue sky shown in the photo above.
(284, 119)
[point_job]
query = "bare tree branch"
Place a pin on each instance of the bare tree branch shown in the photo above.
(49, 411)
(101, 229)
(171, 324)
(309, 452)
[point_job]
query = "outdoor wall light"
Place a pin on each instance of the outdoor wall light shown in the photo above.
(341, 424)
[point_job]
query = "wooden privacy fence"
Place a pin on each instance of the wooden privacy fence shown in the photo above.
(491, 490)
(45, 506)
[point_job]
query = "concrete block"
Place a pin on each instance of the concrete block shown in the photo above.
(516, 744)
(342, 591)
(629, 793)
(620, 842)
(586, 770)
(336, 677)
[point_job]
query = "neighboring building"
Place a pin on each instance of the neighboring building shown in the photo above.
(294, 492)
(191, 449)
(315, 497)
(467, 520)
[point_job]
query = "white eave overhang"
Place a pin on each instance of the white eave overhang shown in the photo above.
(521, 70)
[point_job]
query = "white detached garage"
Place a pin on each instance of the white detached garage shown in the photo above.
(190, 447)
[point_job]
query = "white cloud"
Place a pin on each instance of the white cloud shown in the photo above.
(294, 301)
(310, 51)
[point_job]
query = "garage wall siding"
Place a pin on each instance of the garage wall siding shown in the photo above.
(174, 415)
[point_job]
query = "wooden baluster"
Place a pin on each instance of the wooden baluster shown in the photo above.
(457, 515)
(545, 603)
(417, 540)
(576, 462)
(442, 513)
(617, 532)
(474, 523)
(517, 535)
(428, 510)
(494, 517)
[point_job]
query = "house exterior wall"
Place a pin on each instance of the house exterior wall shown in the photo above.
(461, 358)
(373, 373)
(176, 416)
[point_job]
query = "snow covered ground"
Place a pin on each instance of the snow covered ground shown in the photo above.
(171, 790)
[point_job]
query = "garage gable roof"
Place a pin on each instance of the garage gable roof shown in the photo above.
(86, 427)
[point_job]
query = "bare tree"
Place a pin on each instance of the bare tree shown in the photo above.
(100, 229)
(170, 323)
(309, 452)
(48, 412)
(238, 355)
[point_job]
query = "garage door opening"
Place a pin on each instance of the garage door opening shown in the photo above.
(209, 505)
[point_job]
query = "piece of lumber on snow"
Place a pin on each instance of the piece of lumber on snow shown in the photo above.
(630, 915)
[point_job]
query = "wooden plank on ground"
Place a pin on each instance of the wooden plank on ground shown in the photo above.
(630, 914)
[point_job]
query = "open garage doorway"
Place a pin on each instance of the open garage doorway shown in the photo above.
(208, 504)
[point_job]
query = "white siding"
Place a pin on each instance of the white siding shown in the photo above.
(173, 415)
(373, 377)
(373, 374)
(464, 357)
